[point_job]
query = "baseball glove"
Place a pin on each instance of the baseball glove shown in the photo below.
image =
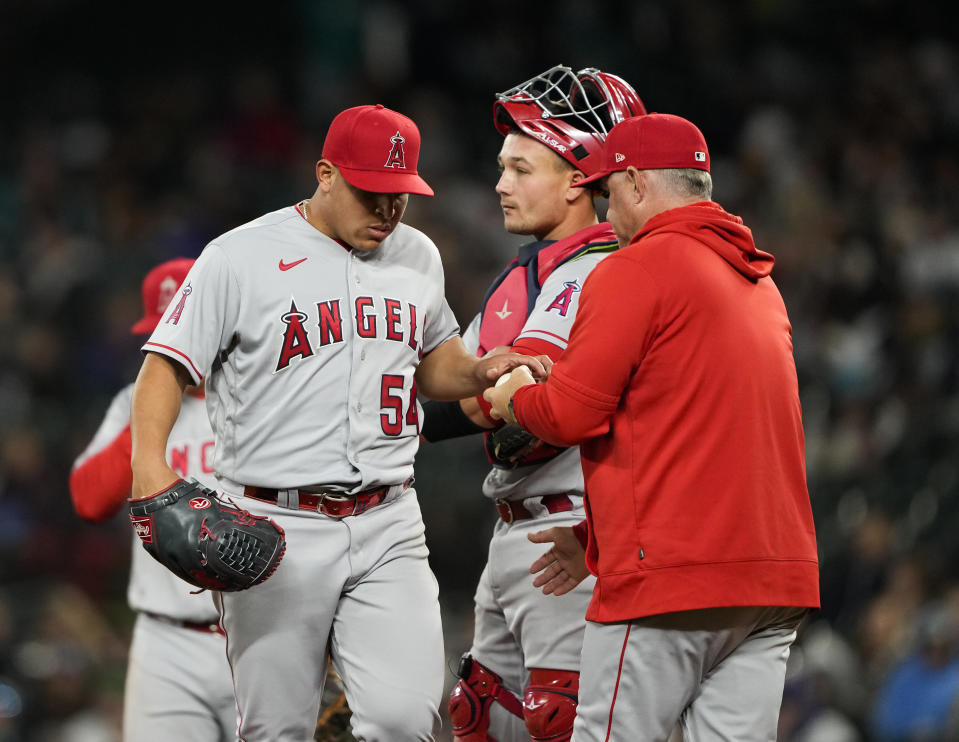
(205, 540)
(506, 445)
(509, 446)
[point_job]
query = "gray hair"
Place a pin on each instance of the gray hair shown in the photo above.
(687, 182)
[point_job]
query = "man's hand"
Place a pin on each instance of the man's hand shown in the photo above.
(563, 567)
(497, 351)
(499, 396)
(492, 367)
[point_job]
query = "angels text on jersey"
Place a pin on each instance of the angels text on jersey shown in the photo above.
(393, 320)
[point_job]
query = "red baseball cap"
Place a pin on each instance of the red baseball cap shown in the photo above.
(159, 287)
(656, 141)
(376, 149)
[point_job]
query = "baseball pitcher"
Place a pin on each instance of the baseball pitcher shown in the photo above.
(314, 328)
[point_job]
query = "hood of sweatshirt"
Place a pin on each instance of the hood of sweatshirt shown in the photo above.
(722, 232)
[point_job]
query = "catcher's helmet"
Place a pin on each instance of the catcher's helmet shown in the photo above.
(570, 112)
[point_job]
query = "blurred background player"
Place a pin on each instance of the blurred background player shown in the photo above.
(520, 679)
(178, 683)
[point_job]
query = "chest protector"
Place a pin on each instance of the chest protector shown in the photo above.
(511, 298)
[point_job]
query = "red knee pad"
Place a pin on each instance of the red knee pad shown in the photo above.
(471, 698)
(549, 705)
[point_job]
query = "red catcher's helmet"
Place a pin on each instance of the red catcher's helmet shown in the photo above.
(570, 112)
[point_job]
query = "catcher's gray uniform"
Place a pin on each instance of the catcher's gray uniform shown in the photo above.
(178, 684)
(517, 628)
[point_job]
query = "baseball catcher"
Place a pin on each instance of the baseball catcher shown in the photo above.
(206, 541)
(514, 676)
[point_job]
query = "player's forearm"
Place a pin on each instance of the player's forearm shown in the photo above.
(156, 405)
(449, 373)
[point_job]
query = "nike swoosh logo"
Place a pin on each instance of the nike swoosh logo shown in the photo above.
(287, 266)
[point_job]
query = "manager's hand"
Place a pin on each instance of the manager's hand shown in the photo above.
(500, 395)
(561, 568)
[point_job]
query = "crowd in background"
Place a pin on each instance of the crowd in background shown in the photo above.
(834, 132)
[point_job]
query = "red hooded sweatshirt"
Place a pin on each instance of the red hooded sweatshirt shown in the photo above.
(680, 386)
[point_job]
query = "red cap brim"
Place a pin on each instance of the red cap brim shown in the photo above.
(593, 178)
(378, 181)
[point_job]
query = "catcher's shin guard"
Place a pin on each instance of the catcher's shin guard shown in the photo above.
(471, 698)
(549, 705)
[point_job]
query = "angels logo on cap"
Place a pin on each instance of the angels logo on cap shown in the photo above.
(167, 291)
(376, 150)
(397, 158)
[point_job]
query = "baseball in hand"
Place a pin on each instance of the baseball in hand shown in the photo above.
(503, 379)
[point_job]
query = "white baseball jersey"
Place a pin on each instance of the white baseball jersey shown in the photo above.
(551, 320)
(278, 317)
(152, 587)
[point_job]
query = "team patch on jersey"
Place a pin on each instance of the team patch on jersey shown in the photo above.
(397, 157)
(564, 298)
(143, 527)
(174, 318)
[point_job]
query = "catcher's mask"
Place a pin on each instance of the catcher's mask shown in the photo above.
(570, 112)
